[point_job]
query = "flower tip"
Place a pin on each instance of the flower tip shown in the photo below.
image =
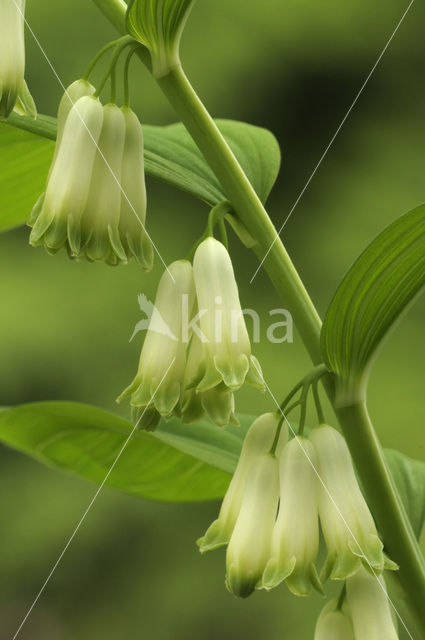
(240, 586)
(214, 538)
(389, 564)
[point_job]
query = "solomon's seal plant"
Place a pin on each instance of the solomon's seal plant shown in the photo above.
(295, 487)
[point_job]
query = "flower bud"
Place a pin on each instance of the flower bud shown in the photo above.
(249, 546)
(225, 338)
(370, 607)
(347, 524)
(59, 211)
(334, 623)
(295, 540)
(159, 381)
(14, 92)
(258, 441)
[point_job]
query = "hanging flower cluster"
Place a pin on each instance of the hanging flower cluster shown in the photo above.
(94, 204)
(280, 491)
(201, 365)
(14, 93)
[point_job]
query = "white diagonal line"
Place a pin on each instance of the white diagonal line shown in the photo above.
(92, 138)
(362, 88)
(121, 451)
(313, 466)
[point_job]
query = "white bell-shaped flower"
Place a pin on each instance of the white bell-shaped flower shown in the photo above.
(224, 335)
(134, 237)
(74, 92)
(295, 540)
(258, 441)
(57, 214)
(249, 546)
(97, 237)
(159, 381)
(14, 93)
(370, 607)
(334, 623)
(347, 524)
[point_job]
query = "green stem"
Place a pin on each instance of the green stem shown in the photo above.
(385, 503)
(247, 205)
(367, 454)
(115, 11)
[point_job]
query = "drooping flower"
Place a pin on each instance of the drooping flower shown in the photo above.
(227, 348)
(334, 623)
(74, 92)
(158, 385)
(100, 215)
(57, 214)
(249, 546)
(134, 237)
(295, 538)
(14, 93)
(97, 235)
(347, 524)
(258, 442)
(217, 403)
(370, 607)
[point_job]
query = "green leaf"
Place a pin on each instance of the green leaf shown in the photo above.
(409, 477)
(170, 155)
(85, 440)
(378, 288)
(158, 24)
(177, 463)
(24, 162)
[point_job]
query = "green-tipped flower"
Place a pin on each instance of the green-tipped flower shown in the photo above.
(249, 546)
(158, 24)
(258, 441)
(347, 524)
(132, 230)
(74, 92)
(158, 384)
(295, 539)
(97, 236)
(95, 200)
(57, 214)
(227, 349)
(218, 403)
(369, 607)
(334, 623)
(14, 93)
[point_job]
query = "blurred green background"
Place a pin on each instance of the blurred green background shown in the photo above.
(133, 571)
